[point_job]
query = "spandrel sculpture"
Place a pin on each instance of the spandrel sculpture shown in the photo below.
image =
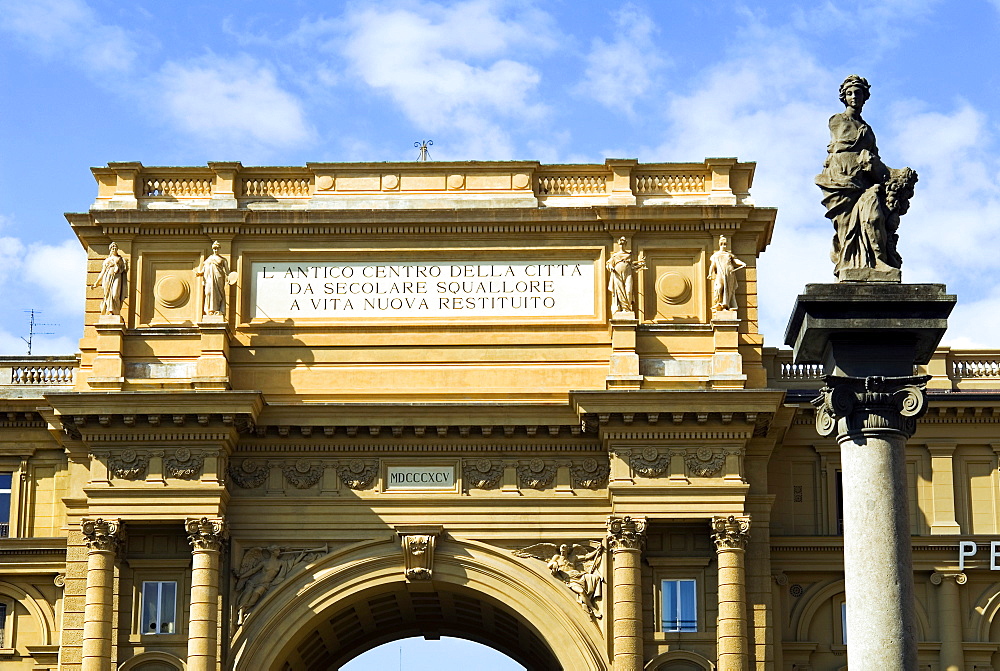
(864, 199)
(576, 565)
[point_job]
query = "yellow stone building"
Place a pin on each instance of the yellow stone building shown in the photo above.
(318, 409)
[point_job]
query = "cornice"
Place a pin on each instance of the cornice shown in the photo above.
(33, 546)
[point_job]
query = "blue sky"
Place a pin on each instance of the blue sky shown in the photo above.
(86, 82)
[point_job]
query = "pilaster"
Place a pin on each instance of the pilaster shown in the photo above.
(943, 488)
(950, 618)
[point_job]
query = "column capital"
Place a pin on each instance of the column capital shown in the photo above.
(850, 406)
(206, 534)
(626, 533)
(938, 577)
(731, 533)
(103, 535)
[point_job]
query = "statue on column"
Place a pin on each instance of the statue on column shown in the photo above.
(216, 278)
(722, 267)
(863, 197)
(621, 272)
(113, 279)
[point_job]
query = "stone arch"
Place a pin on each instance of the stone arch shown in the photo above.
(36, 605)
(985, 612)
(679, 660)
(153, 661)
(532, 606)
(817, 597)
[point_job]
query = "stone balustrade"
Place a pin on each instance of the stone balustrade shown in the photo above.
(716, 181)
(954, 370)
(38, 371)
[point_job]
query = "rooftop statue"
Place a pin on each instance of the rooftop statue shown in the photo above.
(862, 196)
(113, 279)
(722, 269)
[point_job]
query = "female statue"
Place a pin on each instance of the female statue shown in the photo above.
(215, 273)
(621, 270)
(863, 197)
(113, 278)
(722, 267)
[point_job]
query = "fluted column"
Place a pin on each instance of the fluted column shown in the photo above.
(950, 618)
(731, 536)
(872, 418)
(103, 541)
(206, 537)
(626, 538)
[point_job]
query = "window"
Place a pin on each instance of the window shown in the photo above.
(3, 623)
(5, 481)
(679, 605)
(843, 622)
(159, 608)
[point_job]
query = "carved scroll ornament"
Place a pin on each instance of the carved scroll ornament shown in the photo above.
(626, 533)
(250, 474)
(358, 473)
(536, 474)
(103, 535)
(129, 465)
(482, 474)
(847, 405)
(731, 533)
(302, 474)
(183, 464)
(590, 474)
(206, 534)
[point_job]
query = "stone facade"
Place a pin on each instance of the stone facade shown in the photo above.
(348, 403)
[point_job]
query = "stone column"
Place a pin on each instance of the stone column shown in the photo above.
(872, 418)
(731, 535)
(950, 618)
(206, 537)
(103, 541)
(626, 538)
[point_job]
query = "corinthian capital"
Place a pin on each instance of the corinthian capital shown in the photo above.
(102, 535)
(206, 533)
(731, 533)
(848, 405)
(626, 533)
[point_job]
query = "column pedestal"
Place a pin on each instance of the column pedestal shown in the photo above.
(206, 537)
(731, 536)
(103, 540)
(626, 538)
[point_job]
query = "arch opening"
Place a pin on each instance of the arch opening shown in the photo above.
(397, 611)
(446, 654)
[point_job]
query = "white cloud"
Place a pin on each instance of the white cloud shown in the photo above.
(869, 25)
(451, 68)
(622, 70)
(232, 104)
(71, 30)
(60, 271)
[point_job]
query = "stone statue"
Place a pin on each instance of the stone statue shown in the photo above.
(216, 277)
(863, 197)
(114, 280)
(722, 267)
(263, 568)
(621, 270)
(576, 565)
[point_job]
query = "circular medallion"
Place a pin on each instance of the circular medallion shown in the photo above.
(390, 181)
(520, 181)
(456, 181)
(128, 456)
(704, 453)
(183, 454)
(590, 464)
(356, 466)
(172, 291)
(249, 466)
(484, 465)
(649, 453)
(536, 465)
(673, 288)
(302, 466)
(324, 183)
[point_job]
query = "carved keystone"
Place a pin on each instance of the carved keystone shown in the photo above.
(418, 543)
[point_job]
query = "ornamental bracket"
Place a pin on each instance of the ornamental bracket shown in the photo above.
(418, 543)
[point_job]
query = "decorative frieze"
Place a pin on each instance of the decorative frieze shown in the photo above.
(577, 565)
(536, 474)
(183, 464)
(731, 533)
(249, 474)
(206, 534)
(649, 462)
(129, 465)
(358, 473)
(103, 535)
(626, 533)
(482, 474)
(303, 474)
(704, 462)
(590, 474)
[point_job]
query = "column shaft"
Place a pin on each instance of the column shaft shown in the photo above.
(626, 537)
(878, 568)
(731, 536)
(950, 620)
(103, 539)
(206, 537)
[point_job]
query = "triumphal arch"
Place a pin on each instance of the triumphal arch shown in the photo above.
(316, 409)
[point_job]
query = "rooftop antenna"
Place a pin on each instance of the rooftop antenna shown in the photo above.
(32, 325)
(425, 155)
